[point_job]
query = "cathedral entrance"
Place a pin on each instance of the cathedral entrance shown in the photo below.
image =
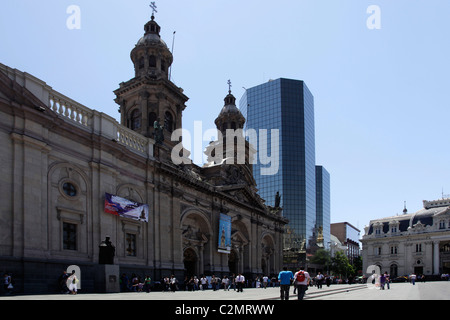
(190, 262)
(233, 262)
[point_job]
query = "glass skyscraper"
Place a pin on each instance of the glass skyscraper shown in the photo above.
(323, 205)
(287, 106)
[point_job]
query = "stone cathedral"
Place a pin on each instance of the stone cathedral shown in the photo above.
(61, 159)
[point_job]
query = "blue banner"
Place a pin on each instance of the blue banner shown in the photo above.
(224, 234)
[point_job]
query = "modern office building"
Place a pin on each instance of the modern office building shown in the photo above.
(349, 236)
(285, 107)
(323, 207)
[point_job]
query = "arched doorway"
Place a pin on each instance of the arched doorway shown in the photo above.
(190, 262)
(264, 267)
(233, 260)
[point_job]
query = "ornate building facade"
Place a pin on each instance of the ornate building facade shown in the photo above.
(60, 159)
(417, 242)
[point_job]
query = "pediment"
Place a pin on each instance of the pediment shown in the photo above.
(244, 194)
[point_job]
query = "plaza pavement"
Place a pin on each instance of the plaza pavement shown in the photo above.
(397, 291)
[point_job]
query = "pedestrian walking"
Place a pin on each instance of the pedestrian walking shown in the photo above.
(388, 279)
(72, 280)
(147, 283)
(319, 279)
(173, 283)
(8, 283)
(382, 281)
(285, 278)
(328, 280)
(265, 282)
(124, 283)
(302, 279)
(240, 280)
(233, 282)
(203, 283)
(226, 283)
(62, 282)
(214, 282)
(413, 277)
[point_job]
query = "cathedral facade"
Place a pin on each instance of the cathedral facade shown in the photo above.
(72, 176)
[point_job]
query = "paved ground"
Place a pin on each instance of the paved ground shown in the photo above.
(398, 291)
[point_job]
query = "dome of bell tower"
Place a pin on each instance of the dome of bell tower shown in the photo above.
(230, 117)
(151, 56)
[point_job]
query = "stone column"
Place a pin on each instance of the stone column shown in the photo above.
(436, 257)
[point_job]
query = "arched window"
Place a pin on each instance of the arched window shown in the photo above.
(152, 61)
(151, 119)
(393, 271)
(141, 63)
(163, 66)
(168, 121)
(135, 119)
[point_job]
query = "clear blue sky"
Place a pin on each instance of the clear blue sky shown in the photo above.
(382, 105)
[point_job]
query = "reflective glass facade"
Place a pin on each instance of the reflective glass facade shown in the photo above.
(286, 105)
(323, 203)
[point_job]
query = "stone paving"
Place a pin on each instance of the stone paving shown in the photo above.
(397, 291)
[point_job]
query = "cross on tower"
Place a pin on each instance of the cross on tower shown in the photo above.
(153, 6)
(229, 86)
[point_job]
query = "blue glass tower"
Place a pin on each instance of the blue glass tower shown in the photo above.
(323, 205)
(288, 106)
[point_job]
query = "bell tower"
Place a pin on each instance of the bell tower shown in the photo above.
(231, 147)
(150, 103)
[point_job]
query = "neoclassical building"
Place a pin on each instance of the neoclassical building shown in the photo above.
(413, 242)
(60, 159)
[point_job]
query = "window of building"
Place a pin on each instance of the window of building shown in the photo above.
(442, 224)
(378, 251)
(168, 121)
(69, 236)
(394, 249)
(152, 62)
(130, 244)
(418, 247)
(136, 119)
(69, 189)
(141, 63)
(151, 119)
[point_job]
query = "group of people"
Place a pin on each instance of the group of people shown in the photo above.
(301, 280)
(135, 283)
(203, 283)
(68, 283)
(193, 283)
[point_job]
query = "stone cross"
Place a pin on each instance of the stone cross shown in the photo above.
(153, 6)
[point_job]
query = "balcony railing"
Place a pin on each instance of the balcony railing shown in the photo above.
(75, 113)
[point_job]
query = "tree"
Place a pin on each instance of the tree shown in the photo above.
(322, 257)
(341, 265)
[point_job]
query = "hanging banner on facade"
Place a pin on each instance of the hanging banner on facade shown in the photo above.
(224, 234)
(125, 208)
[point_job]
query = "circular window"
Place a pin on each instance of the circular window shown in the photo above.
(69, 189)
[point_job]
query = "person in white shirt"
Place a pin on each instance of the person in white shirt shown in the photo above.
(240, 280)
(203, 283)
(302, 280)
(319, 279)
(265, 281)
(226, 283)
